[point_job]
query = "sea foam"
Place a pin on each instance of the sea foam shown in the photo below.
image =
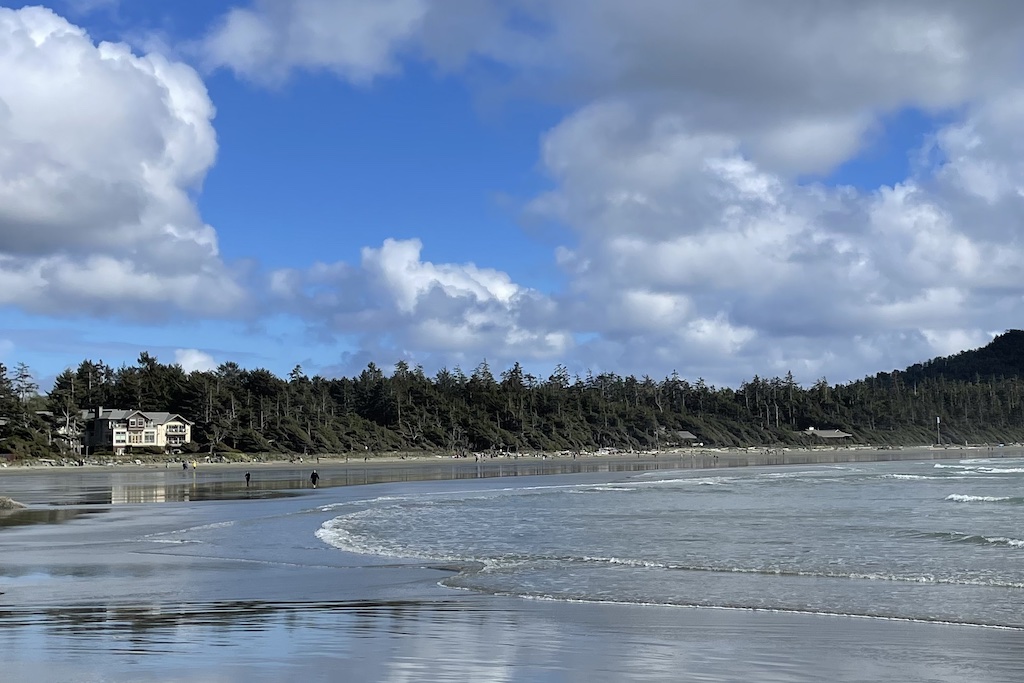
(963, 498)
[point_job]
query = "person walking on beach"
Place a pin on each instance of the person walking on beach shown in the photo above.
(247, 476)
(314, 478)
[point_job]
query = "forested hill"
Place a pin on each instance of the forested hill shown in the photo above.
(1002, 358)
(978, 396)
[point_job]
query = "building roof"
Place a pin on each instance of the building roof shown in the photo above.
(685, 435)
(117, 414)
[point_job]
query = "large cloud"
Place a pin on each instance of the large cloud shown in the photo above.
(680, 233)
(401, 304)
(698, 242)
(100, 152)
(801, 82)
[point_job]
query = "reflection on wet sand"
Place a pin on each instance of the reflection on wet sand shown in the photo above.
(138, 493)
(393, 616)
(459, 640)
(10, 518)
(170, 486)
(178, 493)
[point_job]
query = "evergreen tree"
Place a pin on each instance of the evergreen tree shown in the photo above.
(63, 402)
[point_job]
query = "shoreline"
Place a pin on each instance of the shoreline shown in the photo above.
(686, 458)
(42, 486)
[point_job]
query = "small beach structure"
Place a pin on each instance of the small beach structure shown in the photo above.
(826, 433)
(677, 437)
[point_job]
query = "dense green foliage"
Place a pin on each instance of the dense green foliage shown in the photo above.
(978, 395)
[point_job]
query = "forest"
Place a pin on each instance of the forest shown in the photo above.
(974, 397)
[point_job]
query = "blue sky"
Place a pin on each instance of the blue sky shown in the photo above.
(743, 189)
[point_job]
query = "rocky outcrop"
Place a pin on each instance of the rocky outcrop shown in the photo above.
(9, 504)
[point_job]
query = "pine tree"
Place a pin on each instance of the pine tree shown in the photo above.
(62, 402)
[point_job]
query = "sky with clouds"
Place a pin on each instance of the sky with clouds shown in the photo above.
(721, 189)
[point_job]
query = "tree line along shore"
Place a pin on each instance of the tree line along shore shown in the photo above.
(975, 397)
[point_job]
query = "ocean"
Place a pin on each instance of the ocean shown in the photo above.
(916, 541)
(868, 571)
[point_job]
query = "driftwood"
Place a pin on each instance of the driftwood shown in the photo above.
(9, 504)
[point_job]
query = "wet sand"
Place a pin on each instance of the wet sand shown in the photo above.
(164, 481)
(156, 574)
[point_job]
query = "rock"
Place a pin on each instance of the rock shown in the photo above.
(8, 504)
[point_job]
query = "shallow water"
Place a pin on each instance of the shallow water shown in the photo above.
(925, 541)
(582, 577)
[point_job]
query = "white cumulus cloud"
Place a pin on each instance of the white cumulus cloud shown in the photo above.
(100, 152)
(400, 303)
(192, 360)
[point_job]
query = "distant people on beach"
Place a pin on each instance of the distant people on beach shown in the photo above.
(184, 465)
(314, 478)
(247, 477)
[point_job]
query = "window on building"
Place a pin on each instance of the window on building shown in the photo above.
(150, 437)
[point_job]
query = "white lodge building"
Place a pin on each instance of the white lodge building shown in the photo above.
(120, 430)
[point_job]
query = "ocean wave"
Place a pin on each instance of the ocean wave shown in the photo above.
(959, 537)
(154, 537)
(331, 507)
(684, 481)
(778, 571)
(428, 498)
(206, 527)
(980, 469)
(964, 498)
(625, 561)
(989, 461)
(336, 534)
(972, 476)
(752, 608)
(608, 488)
(828, 473)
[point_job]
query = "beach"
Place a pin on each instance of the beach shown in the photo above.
(154, 573)
(153, 479)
